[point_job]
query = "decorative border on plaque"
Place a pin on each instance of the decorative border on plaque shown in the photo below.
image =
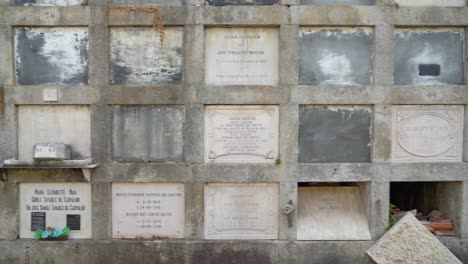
(427, 133)
(237, 222)
(254, 148)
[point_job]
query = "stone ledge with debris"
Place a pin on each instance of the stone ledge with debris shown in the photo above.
(409, 241)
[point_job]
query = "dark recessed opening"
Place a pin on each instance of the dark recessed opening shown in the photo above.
(429, 69)
(414, 195)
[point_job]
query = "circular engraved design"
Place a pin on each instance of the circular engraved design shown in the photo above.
(426, 134)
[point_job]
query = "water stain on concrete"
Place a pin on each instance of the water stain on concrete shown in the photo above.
(51, 56)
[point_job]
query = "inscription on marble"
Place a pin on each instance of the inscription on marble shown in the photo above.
(241, 211)
(427, 133)
(50, 204)
(148, 210)
(241, 56)
(241, 134)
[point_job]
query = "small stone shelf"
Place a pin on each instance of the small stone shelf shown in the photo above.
(85, 165)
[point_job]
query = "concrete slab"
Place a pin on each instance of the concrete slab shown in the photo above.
(51, 55)
(137, 58)
(340, 56)
(334, 134)
(428, 57)
(161, 127)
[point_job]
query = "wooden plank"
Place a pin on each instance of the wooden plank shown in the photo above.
(331, 213)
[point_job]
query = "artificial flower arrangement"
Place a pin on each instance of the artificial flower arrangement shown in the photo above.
(52, 233)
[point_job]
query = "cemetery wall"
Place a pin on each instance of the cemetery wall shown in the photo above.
(175, 104)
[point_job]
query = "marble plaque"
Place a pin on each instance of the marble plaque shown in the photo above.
(241, 56)
(241, 211)
(241, 133)
(417, 49)
(331, 213)
(148, 210)
(427, 133)
(55, 202)
(335, 56)
(334, 134)
(337, 2)
(51, 55)
(137, 58)
(161, 127)
(67, 124)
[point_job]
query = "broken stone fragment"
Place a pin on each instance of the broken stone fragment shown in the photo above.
(408, 241)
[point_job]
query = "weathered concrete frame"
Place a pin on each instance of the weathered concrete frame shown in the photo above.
(194, 94)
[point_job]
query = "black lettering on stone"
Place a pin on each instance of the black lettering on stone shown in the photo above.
(74, 222)
(429, 69)
(38, 220)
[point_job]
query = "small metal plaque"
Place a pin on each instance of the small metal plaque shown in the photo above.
(74, 222)
(51, 151)
(38, 220)
(429, 69)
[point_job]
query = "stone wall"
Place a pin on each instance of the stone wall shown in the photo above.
(118, 90)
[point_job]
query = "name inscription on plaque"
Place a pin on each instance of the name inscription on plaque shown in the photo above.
(241, 211)
(241, 56)
(241, 134)
(50, 204)
(148, 210)
(427, 133)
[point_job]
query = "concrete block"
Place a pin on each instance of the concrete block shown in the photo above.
(139, 58)
(54, 55)
(48, 2)
(340, 56)
(334, 134)
(428, 57)
(337, 2)
(161, 127)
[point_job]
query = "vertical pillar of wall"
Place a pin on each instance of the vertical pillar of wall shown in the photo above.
(463, 203)
(378, 208)
(194, 210)
(7, 111)
(9, 216)
(287, 223)
(102, 210)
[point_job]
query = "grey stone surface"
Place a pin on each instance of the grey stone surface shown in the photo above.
(147, 2)
(139, 58)
(147, 133)
(334, 134)
(48, 2)
(408, 241)
(51, 56)
(241, 2)
(194, 94)
(335, 56)
(337, 2)
(428, 58)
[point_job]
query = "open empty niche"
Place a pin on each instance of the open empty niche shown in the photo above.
(333, 211)
(425, 197)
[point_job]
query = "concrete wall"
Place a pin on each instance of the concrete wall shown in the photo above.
(193, 94)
